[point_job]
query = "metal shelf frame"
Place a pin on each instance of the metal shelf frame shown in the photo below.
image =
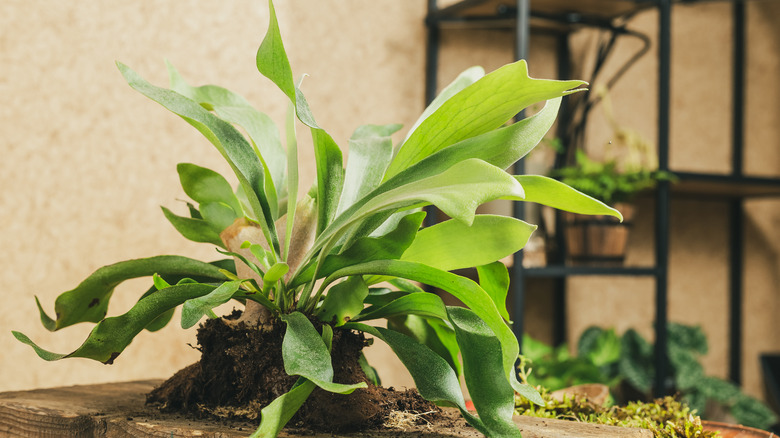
(732, 188)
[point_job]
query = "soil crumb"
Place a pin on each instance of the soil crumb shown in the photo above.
(241, 370)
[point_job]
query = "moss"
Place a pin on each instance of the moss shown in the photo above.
(666, 417)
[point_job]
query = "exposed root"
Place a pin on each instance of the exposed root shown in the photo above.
(407, 420)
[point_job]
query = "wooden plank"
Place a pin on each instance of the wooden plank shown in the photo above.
(117, 410)
(549, 428)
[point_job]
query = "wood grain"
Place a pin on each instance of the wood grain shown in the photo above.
(117, 410)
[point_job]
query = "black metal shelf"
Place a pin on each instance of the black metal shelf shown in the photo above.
(554, 15)
(551, 271)
(599, 10)
(573, 11)
(725, 186)
(562, 17)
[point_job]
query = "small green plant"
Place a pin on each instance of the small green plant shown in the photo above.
(665, 417)
(606, 181)
(555, 368)
(605, 357)
(311, 262)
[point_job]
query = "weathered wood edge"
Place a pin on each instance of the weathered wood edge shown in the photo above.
(117, 410)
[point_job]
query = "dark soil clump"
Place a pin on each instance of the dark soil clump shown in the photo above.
(241, 370)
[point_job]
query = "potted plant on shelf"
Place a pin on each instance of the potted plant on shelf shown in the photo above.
(307, 266)
(631, 168)
(600, 239)
(624, 364)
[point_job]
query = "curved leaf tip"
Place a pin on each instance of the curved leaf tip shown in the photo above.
(43, 354)
(48, 323)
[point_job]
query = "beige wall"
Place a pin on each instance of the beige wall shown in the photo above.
(86, 161)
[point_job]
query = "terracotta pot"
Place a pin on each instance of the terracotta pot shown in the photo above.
(597, 240)
(735, 430)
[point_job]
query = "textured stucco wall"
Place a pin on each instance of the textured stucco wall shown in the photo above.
(86, 161)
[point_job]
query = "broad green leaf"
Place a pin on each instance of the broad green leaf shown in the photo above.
(404, 285)
(303, 111)
(272, 59)
(197, 230)
(229, 142)
(588, 340)
(272, 62)
(370, 152)
(688, 372)
(454, 245)
(747, 410)
(194, 213)
(418, 303)
(434, 378)
(112, 335)
(46, 321)
(489, 388)
(466, 78)
(388, 247)
(159, 282)
(283, 408)
(462, 288)
(330, 177)
(494, 279)
(233, 108)
(343, 301)
(304, 352)
(382, 295)
(687, 337)
(547, 191)
(263, 257)
(204, 185)
(292, 179)
(306, 355)
(276, 272)
(280, 411)
(434, 333)
(88, 302)
(377, 225)
(483, 106)
(161, 321)
(195, 309)
(606, 349)
(457, 191)
(369, 371)
(327, 337)
(500, 148)
(636, 360)
(218, 215)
